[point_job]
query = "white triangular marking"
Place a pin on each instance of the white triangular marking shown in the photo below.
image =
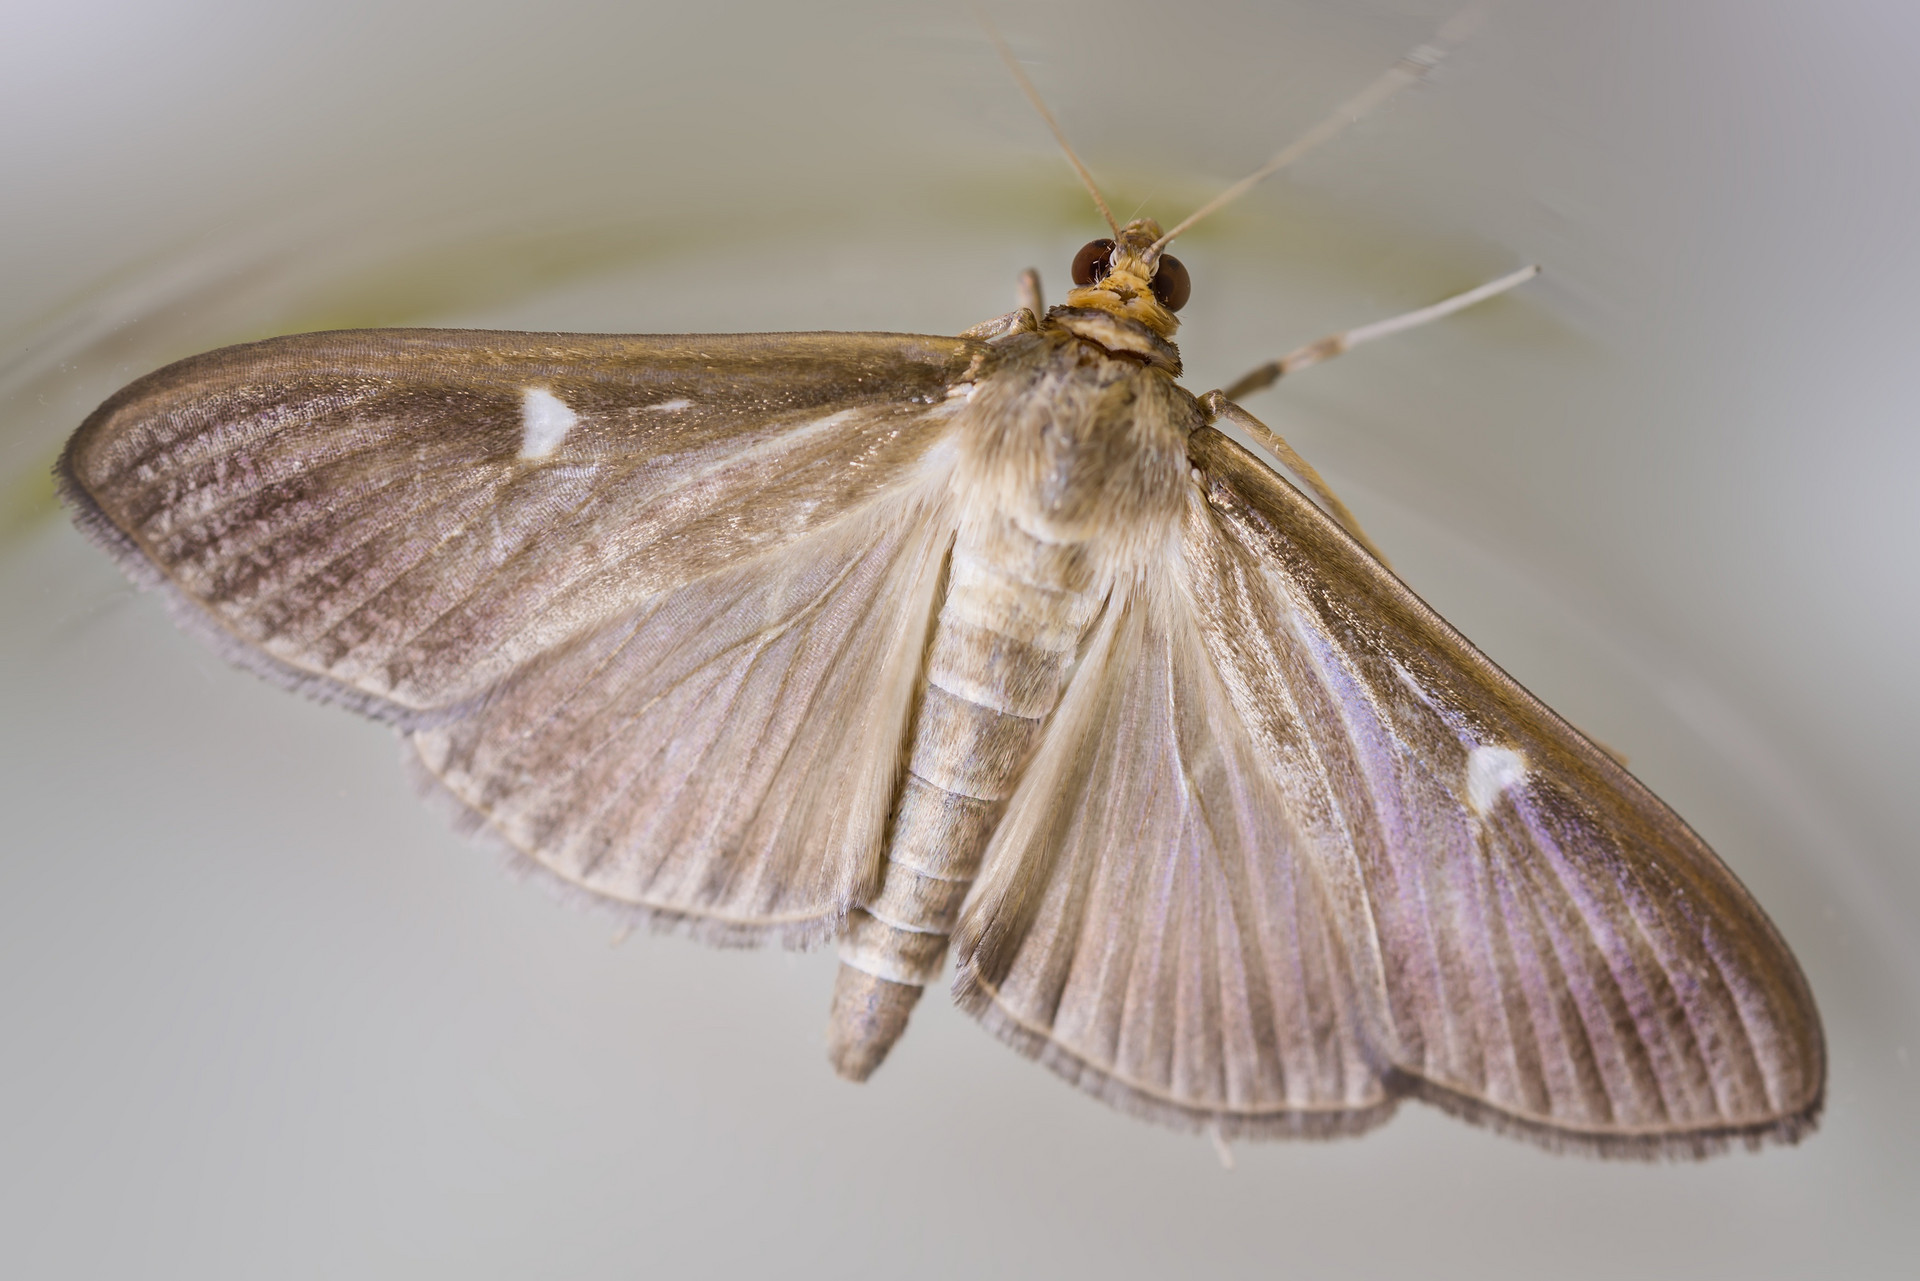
(1490, 772)
(545, 419)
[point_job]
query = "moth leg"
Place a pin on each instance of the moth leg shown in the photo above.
(1217, 406)
(1337, 344)
(1030, 296)
(1222, 1147)
(1017, 320)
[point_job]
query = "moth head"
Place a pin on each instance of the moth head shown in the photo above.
(1130, 277)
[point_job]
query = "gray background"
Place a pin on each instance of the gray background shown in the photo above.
(265, 1017)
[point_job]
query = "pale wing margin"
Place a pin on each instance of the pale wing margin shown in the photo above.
(661, 641)
(1553, 951)
(396, 519)
(1152, 923)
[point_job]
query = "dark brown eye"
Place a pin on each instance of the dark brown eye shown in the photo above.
(1171, 284)
(1092, 262)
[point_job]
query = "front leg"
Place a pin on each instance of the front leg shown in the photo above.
(1030, 295)
(1032, 306)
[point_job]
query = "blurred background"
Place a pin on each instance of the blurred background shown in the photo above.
(266, 1017)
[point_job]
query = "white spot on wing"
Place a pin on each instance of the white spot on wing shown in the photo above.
(670, 406)
(545, 421)
(1490, 772)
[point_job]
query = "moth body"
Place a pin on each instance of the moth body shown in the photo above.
(1072, 468)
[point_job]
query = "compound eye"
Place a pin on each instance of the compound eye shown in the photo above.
(1171, 284)
(1093, 262)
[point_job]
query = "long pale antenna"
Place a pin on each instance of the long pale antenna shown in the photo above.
(1040, 105)
(1346, 340)
(1416, 64)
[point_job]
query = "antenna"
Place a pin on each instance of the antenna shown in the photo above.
(1341, 343)
(1415, 65)
(1039, 104)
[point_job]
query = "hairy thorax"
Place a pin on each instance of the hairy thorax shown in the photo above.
(1072, 444)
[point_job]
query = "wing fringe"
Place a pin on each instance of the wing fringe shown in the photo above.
(1671, 1145)
(973, 994)
(468, 822)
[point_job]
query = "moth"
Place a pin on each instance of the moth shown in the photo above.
(992, 644)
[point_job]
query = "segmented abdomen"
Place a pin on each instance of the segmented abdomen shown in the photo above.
(1003, 647)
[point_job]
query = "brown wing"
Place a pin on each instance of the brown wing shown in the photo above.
(1552, 949)
(1292, 848)
(396, 519)
(652, 606)
(1152, 923)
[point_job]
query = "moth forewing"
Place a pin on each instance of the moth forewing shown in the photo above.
(1627, 994)
(357, 514)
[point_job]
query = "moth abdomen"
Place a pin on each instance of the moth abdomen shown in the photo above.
(1003, 648)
